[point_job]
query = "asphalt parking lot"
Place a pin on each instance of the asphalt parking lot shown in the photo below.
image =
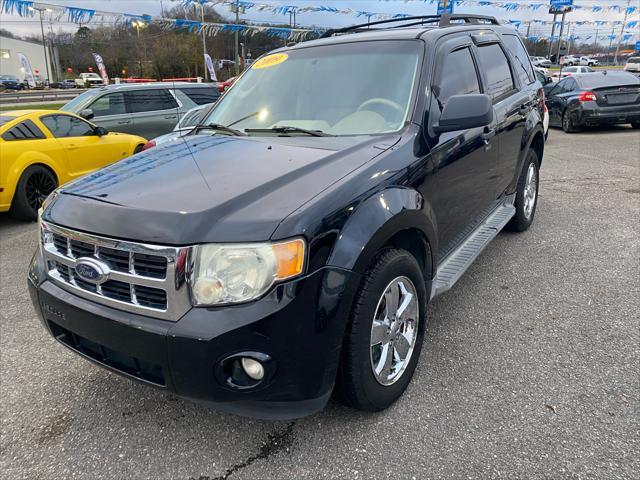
(530, 367)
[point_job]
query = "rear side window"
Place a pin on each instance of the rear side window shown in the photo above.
(458, 75)
(149, 100)
(62, 126)
(523, 68)
(26, 130)
(201, 96)
(112, 104)
(495, 65)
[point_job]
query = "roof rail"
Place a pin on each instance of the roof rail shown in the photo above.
(444, 20)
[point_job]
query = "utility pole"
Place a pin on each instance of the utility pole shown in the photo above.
(613, 34)
(560, 40)
(624, 23)
(553, 32)
(204, 41)
(44, 43)
(569, 35)
(237, 41)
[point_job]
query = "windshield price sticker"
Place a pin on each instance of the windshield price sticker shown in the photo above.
(270, 60)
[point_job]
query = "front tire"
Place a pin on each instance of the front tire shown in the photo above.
(384, 336)
(635, 124)
(34, 186)
(526, 195)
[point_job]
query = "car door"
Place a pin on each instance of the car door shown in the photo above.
(154, 111)
(464, 161)
(556, 100)
(508, 75)
(109, 111)
(85, 150)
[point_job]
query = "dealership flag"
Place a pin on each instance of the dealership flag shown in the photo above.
(209, 62)
(101, 69)
(26, 66)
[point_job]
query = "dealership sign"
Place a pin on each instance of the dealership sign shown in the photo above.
(28, 73)
(101, 68)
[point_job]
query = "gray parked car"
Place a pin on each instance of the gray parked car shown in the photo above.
(147, 110)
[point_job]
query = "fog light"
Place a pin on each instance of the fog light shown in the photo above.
(252, 368)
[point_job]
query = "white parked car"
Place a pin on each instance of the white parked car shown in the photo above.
(93, 78)
(632, 65)
(541, 62)
(589, 62)
(570, 60)
(568, 71)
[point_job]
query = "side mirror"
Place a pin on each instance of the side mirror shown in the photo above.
(101, 131)
(462, 112)
(87, 114)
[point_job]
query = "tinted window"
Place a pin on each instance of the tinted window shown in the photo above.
(26, 130)
(633, 60)
(495, 65)
(62, 126)
(149, 100)
(112, 104)
(201, 96)
(458, 75)
(522, 65)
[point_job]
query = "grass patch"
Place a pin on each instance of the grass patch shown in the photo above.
(32, 106)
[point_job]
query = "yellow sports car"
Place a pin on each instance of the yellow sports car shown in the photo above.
(41, 149)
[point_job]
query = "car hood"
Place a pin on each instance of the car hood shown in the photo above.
(209, 188)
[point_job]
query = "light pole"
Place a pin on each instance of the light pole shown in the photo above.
(139, 24)
(204, 42)
(44, 44)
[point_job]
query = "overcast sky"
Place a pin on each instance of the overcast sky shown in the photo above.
(25, 26)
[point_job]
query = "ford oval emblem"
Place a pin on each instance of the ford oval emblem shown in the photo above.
(91, 270)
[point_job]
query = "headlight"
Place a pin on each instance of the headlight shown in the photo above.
(235, 273)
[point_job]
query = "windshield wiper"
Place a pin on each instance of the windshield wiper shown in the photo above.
(288, 129)
(217, 126)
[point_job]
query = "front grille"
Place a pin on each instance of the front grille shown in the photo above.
(133, 366)
(140, 278)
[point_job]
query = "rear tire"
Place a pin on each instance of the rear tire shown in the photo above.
(526, 195)
(372, 373)
(34, 186)
(568, 122)
(138, 149)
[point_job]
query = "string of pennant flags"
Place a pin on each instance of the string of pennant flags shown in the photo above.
(28, 8)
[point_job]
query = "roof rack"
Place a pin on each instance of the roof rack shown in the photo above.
(444, 20)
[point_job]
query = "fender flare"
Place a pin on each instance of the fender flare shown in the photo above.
(25, 161)
(376, 221)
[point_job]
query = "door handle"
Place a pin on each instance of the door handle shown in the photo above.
(488, 134)
(71, 146)
(124, 122)
(170, 117)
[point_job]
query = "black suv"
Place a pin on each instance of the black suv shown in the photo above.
(288, 247)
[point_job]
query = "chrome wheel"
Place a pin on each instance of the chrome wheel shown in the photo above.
(394, 330)
(530, 190)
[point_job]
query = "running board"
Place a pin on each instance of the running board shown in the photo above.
(454, 266)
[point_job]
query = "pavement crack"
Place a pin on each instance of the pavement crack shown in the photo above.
(277, 442)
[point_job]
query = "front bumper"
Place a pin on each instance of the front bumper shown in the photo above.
(299, 325)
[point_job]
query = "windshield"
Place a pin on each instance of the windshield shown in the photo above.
(347, 89)
(80, 101)
(634, 60)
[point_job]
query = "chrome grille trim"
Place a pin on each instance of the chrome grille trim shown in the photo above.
(174, 283)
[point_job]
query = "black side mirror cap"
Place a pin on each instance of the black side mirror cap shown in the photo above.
(87, 114)
(101, 131)
(462, 112)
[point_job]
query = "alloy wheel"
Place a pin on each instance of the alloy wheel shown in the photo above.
(530, 190)
(394, 330)
(37, 188)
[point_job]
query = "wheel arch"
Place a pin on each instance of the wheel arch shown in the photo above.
(397, 217)
(18, 169)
